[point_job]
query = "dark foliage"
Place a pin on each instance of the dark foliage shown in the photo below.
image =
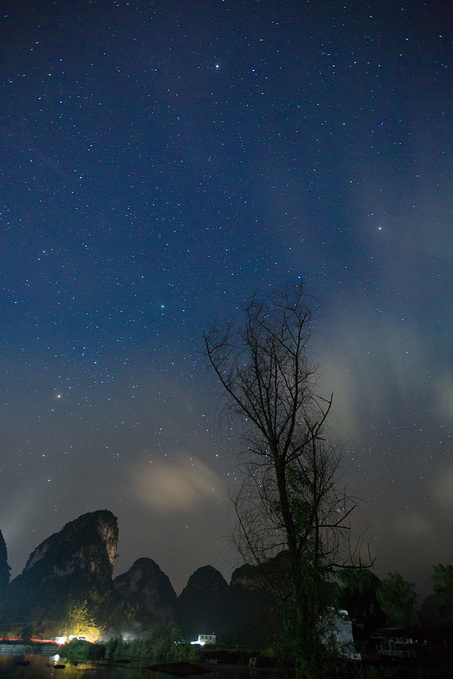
(358, 594)
(77, 649)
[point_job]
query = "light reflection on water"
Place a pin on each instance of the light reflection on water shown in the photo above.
(41, 667)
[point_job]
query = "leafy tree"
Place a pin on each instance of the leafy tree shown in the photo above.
(80, 620)
(78, 649)
(358, 594)
(398, 598)
(443, 583)
(290, 499)
(115, 648)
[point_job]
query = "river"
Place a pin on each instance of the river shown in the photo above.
(42, 667)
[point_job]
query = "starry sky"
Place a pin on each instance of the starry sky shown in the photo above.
(160, 162)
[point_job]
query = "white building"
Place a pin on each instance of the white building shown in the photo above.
(205, 639)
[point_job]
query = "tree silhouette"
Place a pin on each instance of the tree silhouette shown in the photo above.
(290, 499)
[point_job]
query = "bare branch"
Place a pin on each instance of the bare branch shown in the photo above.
(289, 500)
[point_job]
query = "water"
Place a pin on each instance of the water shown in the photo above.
(41, 667)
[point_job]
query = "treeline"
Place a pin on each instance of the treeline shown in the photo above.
(371, 602)
(161, 644)
(392, 601)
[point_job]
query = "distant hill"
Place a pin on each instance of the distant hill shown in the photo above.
(74, 568)
(70, 563)
(146, 589)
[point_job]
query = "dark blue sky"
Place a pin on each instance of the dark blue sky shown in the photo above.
(161, 161)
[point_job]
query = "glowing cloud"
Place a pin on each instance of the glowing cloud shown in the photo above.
(181, 485)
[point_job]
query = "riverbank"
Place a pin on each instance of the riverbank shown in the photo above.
(42, 667)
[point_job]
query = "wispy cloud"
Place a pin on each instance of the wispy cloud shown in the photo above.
(180, 485)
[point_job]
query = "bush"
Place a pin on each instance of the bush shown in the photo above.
(161, 643)
(160, 650)
(77, 649)
(116, 648)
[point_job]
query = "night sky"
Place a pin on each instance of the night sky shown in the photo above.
(161, 161)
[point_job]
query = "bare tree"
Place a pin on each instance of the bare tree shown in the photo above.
(290, 500)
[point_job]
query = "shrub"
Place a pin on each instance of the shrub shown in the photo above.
(77, 649)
